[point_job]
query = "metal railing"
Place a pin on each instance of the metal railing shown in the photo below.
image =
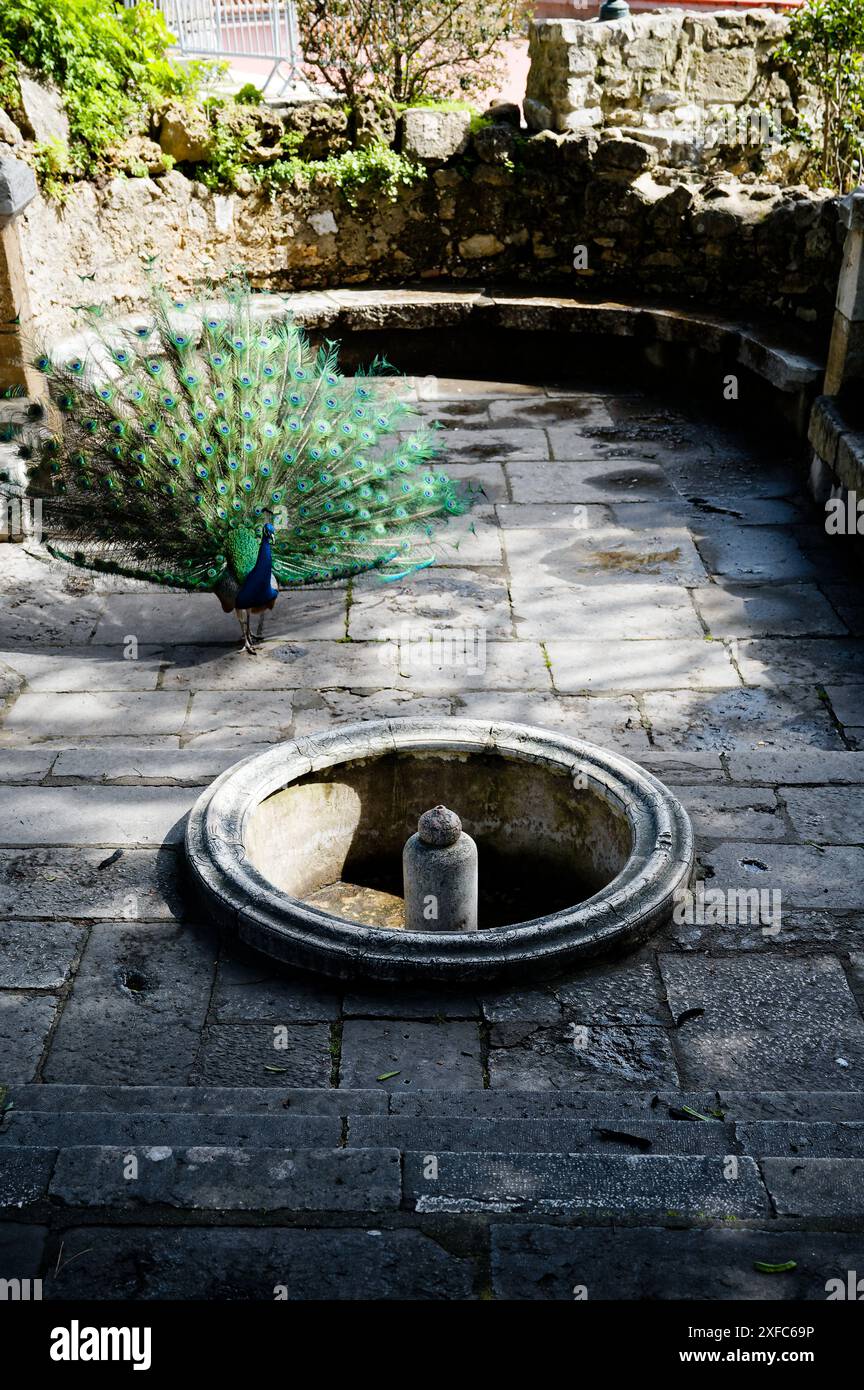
(261, 29)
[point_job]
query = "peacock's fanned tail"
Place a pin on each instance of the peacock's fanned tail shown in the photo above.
(178, 437)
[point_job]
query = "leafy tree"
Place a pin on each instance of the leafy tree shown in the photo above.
(407, 50)
(825, 46)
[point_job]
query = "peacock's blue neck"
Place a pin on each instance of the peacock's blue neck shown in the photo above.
(264, 564)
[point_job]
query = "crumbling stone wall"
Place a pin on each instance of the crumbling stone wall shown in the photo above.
(503, 211)
(678, 78)
(605, 204)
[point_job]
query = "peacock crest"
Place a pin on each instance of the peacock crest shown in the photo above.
(177, 438)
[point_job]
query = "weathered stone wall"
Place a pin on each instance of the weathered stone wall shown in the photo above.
(747, 248)
(677, 77)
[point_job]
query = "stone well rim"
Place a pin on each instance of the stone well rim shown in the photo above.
(288, 929)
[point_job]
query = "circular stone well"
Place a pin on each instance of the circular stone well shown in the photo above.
(299, 850)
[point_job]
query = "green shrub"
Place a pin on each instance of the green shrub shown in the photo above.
(249, 95)
(109, 64)
(825, 46)
(376, 167)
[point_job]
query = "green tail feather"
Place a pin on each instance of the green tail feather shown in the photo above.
(181, 436)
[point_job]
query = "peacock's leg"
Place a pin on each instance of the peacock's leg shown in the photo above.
(242, 617)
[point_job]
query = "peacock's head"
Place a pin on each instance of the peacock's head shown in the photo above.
(267, 532)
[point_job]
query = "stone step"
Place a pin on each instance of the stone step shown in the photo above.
(210, 1179)
(284, 1129)
(813, 1139)
(256, 1263)
(599, 1106)
(201, 1178)
(584, 1184)
(202, 1100)
(813, 1106)
(530, 1261)
(545, 1135)
(56, 1129)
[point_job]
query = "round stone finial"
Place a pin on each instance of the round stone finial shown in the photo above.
(439, 827)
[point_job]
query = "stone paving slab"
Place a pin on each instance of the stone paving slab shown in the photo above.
(168, 617)
(643, 1184)
(777, 767)
(38, 955)
(609, 481)
(137, 1007)
(84, 671)
(765, 1022)
(184, 767)
(730, 812)
(829, 1188)
(612, 720)
(818, 1140)
(429, 601)
(547, 516)
(223, 1265)
(410, 1053)
(580, 409)
(262, 1054)
(607, 557)
(639, 665)
(781, 661)
(497, 444)
(620, 1106)
(766, 610)
(620, 992)
(253, 990)
(88, 815)
(225, 1179)
(549, 1263)
(744, 718)
(321, 709)
(754, 553)
(88, 715)
(93, 884)
(808, 1106)
(538, 1057)
(409, 1004)
(829, 815)
(20, 766)
(25, 1022)
(545, 610)
(807, 876)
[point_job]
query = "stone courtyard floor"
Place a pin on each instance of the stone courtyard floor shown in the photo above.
(643, 577)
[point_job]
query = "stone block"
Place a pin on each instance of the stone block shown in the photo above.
(224, 1179)
(229, 1264)
(431, 134)
(264, 1054)
(17, 187)
(585, 1183)
(137, 1007)
(419, 1055)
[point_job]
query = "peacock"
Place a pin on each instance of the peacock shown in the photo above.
(211, 447)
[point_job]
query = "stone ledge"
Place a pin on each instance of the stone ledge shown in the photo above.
(786, 367)
(837, 443)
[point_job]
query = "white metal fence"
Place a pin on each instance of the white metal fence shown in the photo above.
(260, 29)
